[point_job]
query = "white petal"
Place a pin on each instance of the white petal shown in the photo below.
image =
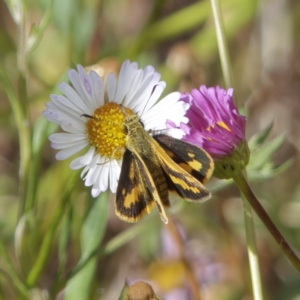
(84, 160)
(159, 88)
(75, 164)
(162, 111)
(66, 137)
(164, 105)
(114, 175)
(98, 87)
(87, 158)
(148, 71)
(84, 171)
(134, 88)
(76, 82)
(65, 104)
(71, 125)
(175, 133)
(51, 116)
(126, 75)
(143, 95)
(67, 114)
(74, 97)
(103, 181)
(87, 91)
(66, 153)
(67, 144)
(93, 175)
(111, 85)
(96, 192)
(91, 169)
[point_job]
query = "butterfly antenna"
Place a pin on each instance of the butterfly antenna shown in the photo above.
(92, 117)
(123, 110)
(149, 99)
(87, 116)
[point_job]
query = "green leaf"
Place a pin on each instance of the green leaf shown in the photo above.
(268, 171)
(16, 8)
(78, 286)
(42, 129)
(263, 154)
(261, 165)
(124, 291)
(64, 239)
(37, 31)
(236, 15)
(257, 139)
(178, 23)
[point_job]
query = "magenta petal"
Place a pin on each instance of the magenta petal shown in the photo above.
(214, 121)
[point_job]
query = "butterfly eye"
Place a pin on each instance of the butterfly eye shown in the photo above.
(125, 129)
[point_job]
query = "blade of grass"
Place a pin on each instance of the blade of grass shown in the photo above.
(48, 240)
(92, 232)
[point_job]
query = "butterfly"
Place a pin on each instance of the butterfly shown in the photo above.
(154, 164)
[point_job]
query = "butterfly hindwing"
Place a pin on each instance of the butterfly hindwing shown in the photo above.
(133, 198)
(192, 159)
(155, 181)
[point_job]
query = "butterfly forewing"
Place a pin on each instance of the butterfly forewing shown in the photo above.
(154, 180)
(133, 198)
(179, 179)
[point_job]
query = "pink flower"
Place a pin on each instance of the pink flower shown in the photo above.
(216, 126)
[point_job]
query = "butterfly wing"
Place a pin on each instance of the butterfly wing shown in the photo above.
(192, 159)
(133, 198)
(185, 166)
(137, 191)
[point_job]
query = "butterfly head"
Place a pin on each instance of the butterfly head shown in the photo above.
(131, 122)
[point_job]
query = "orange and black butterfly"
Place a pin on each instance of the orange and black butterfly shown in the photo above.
(152, 166)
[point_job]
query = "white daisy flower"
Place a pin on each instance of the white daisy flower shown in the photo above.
(91, 116)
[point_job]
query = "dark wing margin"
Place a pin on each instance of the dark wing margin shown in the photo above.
(179, 180)
(192, 159)
(133, 199)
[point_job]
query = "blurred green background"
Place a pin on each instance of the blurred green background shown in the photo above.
(57, 235)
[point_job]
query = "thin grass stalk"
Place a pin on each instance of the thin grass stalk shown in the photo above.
(229, 82)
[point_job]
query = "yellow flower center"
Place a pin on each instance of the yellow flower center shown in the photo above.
(105, 130)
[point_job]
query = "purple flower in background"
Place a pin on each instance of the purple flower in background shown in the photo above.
(216, 126)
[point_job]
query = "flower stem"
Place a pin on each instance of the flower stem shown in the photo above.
(23, 124)
(48, 239)
(189, 272)
(21, 287)
(252, 251)
(262, 214)
(222, 45)
(229, 82)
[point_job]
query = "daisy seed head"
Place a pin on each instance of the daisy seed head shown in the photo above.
(105, 130)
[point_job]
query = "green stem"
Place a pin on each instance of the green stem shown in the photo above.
(112, 245)
(262, 214)
(23, 123)
(252, 251)
(21, 287)
(229, 82)
(48, 240)
(222, 45)
(22, 39)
